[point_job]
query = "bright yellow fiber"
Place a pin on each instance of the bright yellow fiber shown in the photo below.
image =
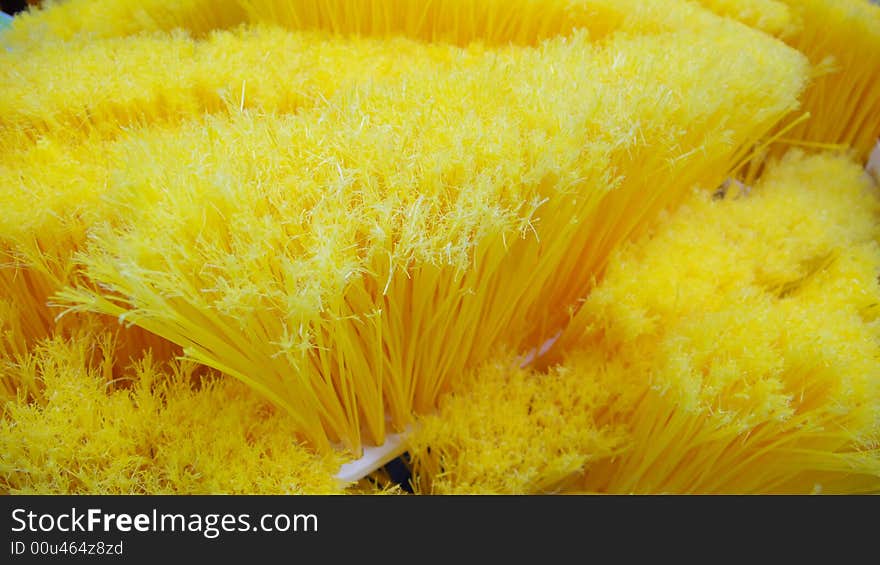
(487, 22)
(61, 102)
(94, 77)
(85, 90)
(459, 22)
(517, 431)
(494, 22)
(842, 40)
(145, 432)
(12, 344)
(737, 349)
(51, 195)
(770, 16)
(350, 259)
(66, 92)
(759, 339)
(353, 225)
(67, 19)
(759, 243)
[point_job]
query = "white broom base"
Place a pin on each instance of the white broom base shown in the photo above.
(374, 457)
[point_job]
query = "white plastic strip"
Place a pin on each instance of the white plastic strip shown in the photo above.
(537, 352)
(374, 457)
(873, 166)
(395, 445)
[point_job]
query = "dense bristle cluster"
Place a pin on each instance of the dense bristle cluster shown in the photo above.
(771, 16)
(85, 89)
(339, 258)
(517, 431)
(734, 350)
(58, 145)
(459, 22)
(842, 40)
(86, 82)
(451, 21)
(67, 19)
(148, 431)
(356, 207)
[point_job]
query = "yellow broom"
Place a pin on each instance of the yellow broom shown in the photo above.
(326, 312)
(350, 260)
(734, 351)
(841, 101)
(842, 41)
(147, 431)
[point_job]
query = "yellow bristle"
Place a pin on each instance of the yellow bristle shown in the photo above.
(460, 22)
(350, 206)
(95, 19)
(733, 351)
(758, 347)
(488, 22)
(52, 195)
(99, 80)
(147, 431)
(517, 431)
(770, 16)
(842, 40)
(778, 254)
(13, 345)
(54, 148)
(62, 94)
(350, 259)
(453, 21)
